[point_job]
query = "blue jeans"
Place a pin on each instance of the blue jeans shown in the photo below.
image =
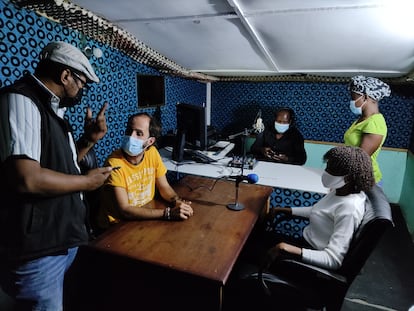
(37, 285)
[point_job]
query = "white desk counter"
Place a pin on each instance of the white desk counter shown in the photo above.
(270, 174)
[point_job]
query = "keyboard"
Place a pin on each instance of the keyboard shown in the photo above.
(210, 156)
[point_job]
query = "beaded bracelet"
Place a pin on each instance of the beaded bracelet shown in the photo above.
(167, 213)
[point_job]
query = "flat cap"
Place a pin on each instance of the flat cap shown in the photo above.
(69, 55)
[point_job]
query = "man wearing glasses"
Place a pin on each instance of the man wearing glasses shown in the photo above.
(43, 222)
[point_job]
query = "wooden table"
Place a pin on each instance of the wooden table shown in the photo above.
(207, 245)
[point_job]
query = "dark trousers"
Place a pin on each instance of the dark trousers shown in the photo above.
(260, 241)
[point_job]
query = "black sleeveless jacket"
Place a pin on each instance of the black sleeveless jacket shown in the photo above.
(33, 226)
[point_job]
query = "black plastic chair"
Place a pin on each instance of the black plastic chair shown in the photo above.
(302, 285)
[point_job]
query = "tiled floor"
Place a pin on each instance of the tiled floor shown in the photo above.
(387, 279)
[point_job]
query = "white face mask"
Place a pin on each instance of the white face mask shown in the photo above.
(352, 105)
(332, 182)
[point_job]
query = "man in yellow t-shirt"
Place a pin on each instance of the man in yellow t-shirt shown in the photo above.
(369, 131)
(130, 190)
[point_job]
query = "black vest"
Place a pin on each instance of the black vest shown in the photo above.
(34, 226)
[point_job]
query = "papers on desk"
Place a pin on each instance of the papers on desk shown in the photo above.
(218, 152)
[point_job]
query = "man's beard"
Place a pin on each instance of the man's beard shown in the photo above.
(71, 101)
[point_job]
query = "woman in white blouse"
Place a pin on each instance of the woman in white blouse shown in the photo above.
(336, 217)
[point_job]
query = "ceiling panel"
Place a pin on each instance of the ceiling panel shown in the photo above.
(271, 37)
(203, 44)
(326, 41)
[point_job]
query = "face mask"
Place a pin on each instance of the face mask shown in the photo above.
(332, 182)
(355, 110)
(281, 127)
(132, 146)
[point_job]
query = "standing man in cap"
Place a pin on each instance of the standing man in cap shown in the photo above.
(44, 220)
(369, 130)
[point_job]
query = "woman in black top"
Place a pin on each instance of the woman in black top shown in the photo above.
(281, 143)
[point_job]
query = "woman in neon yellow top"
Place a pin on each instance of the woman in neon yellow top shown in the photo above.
(370, 129)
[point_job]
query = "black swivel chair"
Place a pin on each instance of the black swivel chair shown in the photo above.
(300, 285)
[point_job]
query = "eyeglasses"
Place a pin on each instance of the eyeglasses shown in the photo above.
(84, 85)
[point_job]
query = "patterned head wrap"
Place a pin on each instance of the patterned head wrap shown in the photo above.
(373, 87)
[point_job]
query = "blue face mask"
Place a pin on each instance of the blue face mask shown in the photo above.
(132, 146)
(355, 110)
(281, 127)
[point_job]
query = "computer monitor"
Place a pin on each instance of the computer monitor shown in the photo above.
(191, 129)
(192, 121)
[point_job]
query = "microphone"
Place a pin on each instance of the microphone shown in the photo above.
(250, 178)
(258, 125)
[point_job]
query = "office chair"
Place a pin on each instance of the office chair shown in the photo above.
(308, 286)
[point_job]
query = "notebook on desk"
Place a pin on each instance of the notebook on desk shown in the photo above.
(220, 149)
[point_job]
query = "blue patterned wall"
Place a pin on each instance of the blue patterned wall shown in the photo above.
(291, 198)
(322, 109)
(22, 36)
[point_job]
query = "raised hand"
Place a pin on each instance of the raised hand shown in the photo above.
(95, 128)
